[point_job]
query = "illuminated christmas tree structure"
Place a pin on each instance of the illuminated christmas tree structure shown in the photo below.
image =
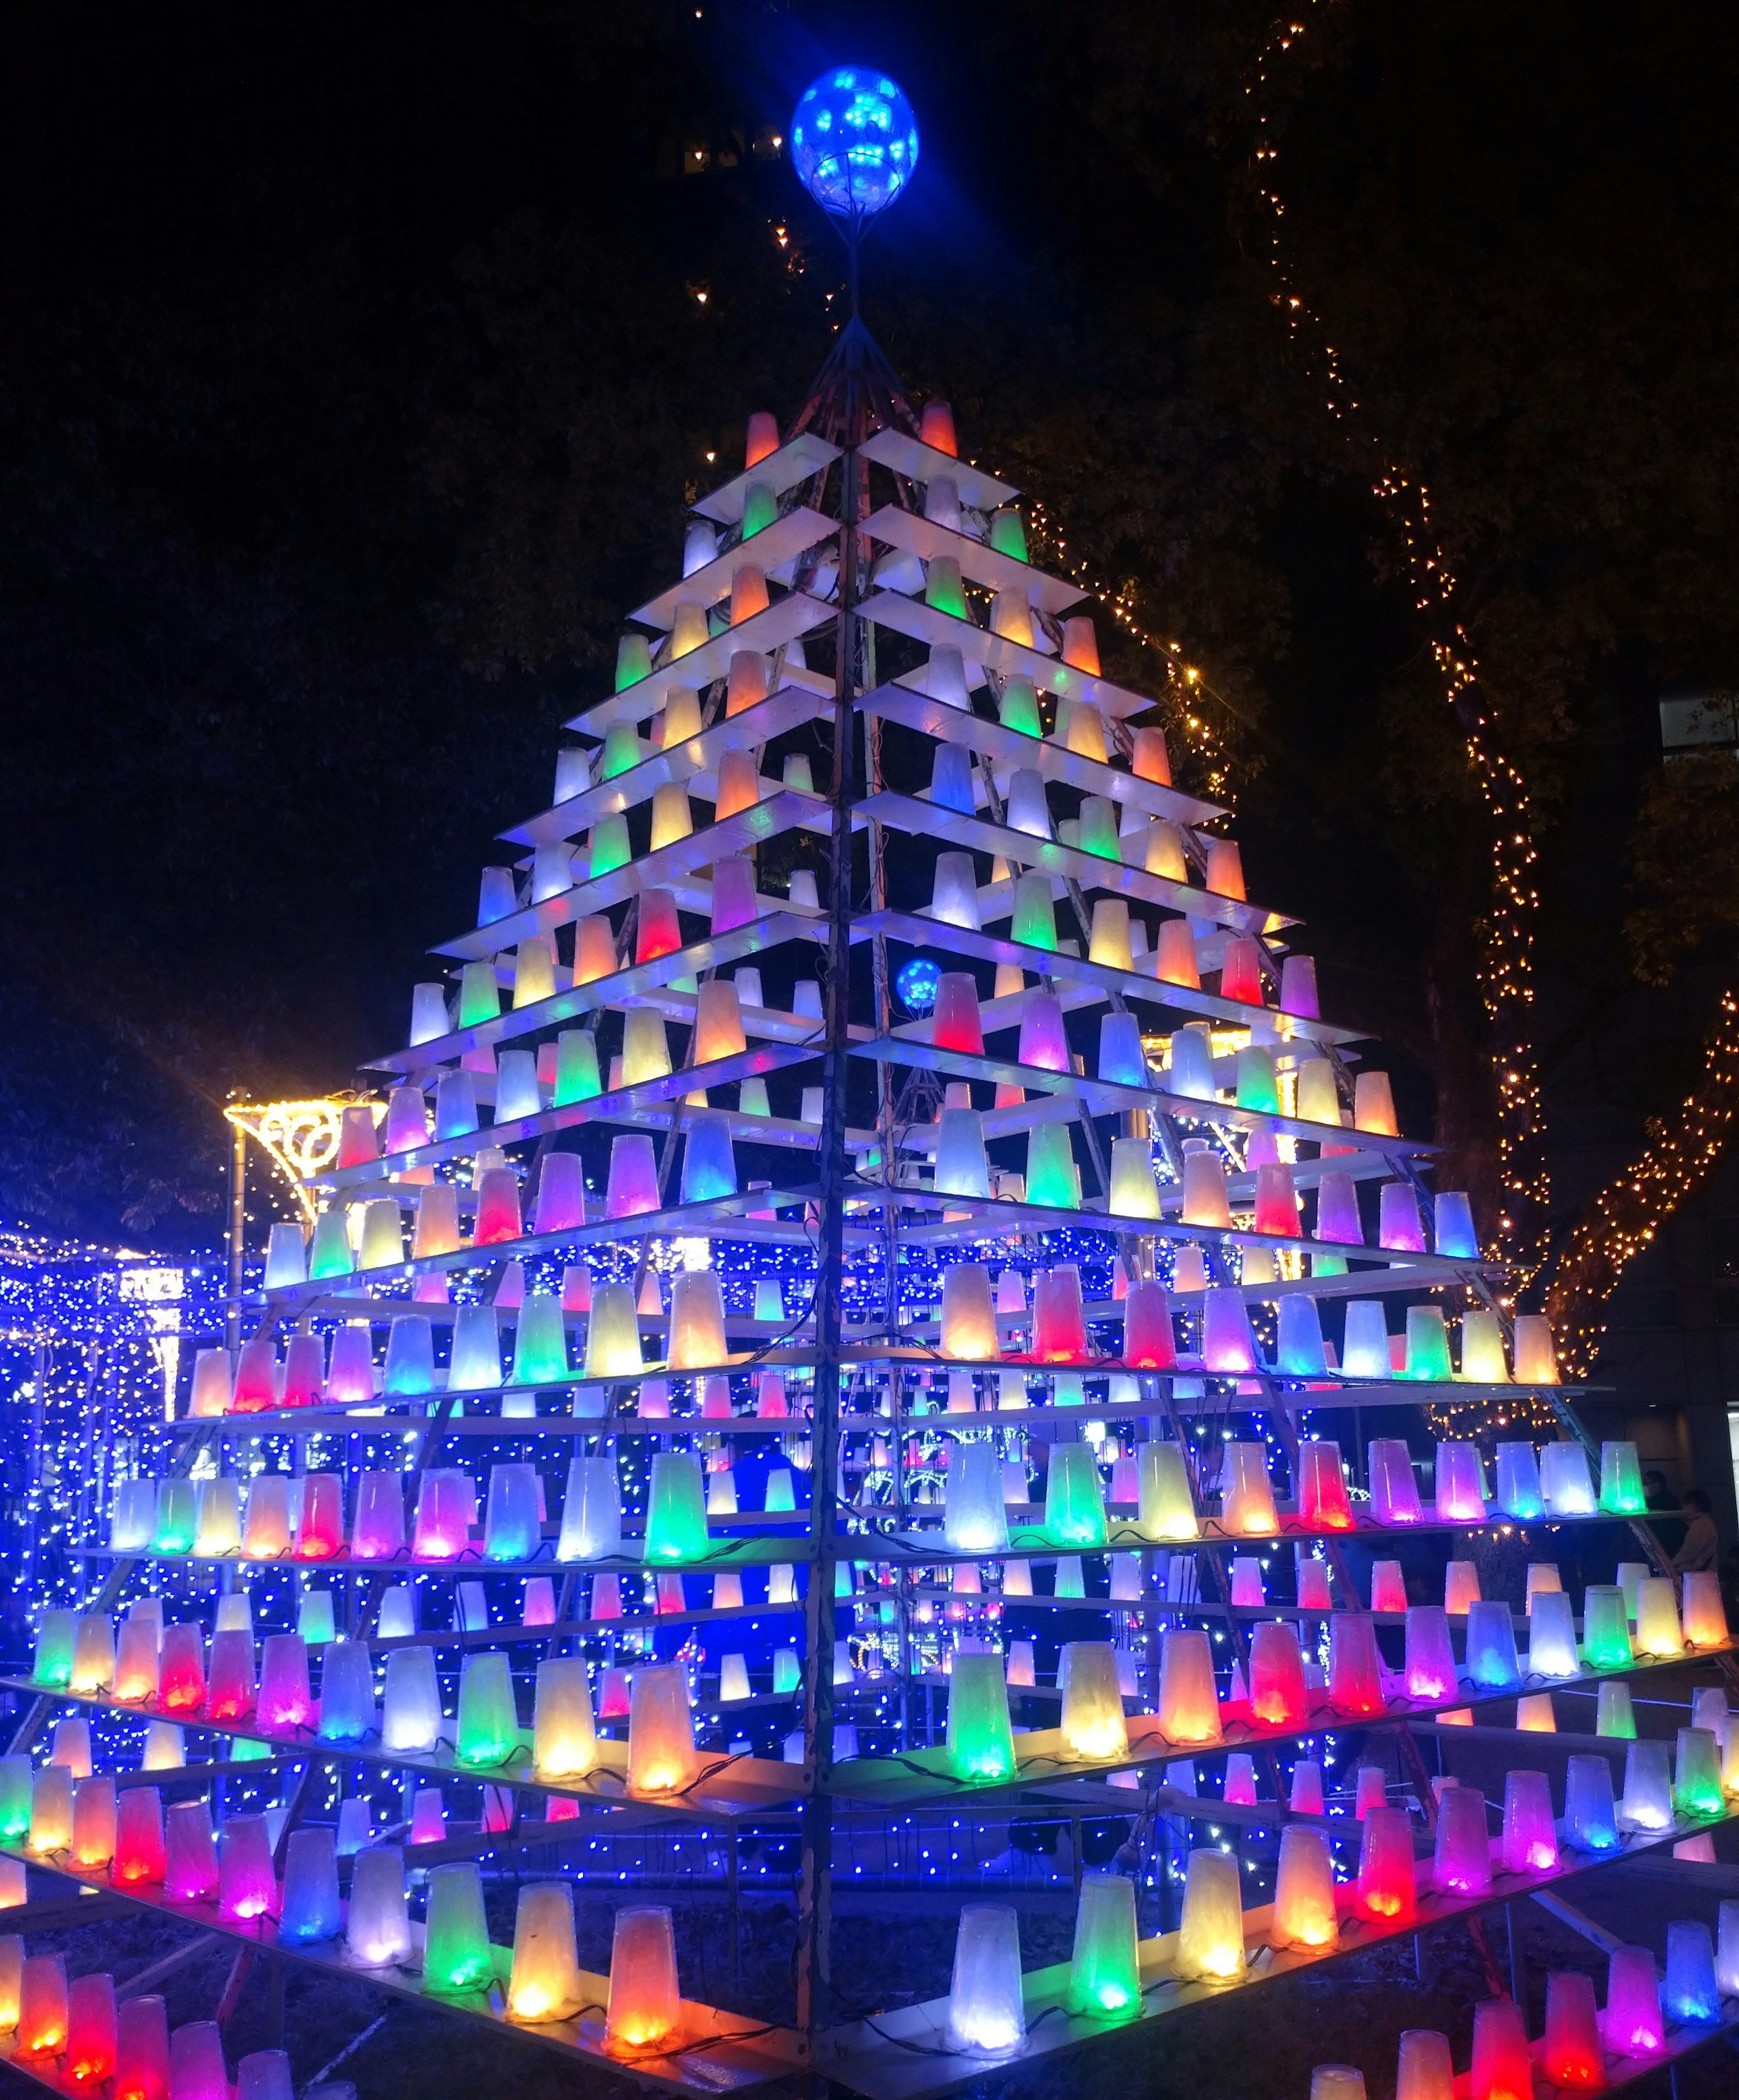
(872, 1300)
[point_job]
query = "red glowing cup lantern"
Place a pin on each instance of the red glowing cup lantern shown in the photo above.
(957, 1026)
(1276, 1200)
(1388, 1888)
(497, 1207)
(320, 1534)
(140, 1853)
(1277, 1695)
(181, 1669)
(90, 2030)
(1241, 972)
(657, 932)
(255, 1390)
(1355, 1668)
(42, 2005)
(1573, 2055)
(1503, 2069)
(1323, 1502)
(1059, 1316)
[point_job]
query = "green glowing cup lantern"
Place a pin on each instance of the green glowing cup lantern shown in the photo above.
(981, 1743)
(1105, 1972)
(488, 1727)
(676, 1524)
(1073, 1498)
(458, 1958)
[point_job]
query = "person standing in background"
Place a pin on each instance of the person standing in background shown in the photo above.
(1701, 1541)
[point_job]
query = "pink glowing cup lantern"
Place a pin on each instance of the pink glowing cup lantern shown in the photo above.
(1429, 1669)
(1463, 1863)
(1529, 1842)
(1631, 2024)
(1460, 1485)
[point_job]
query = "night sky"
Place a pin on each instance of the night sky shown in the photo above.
(354, 369)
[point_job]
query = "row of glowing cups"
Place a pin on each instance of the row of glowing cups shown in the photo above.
(1281, 1695)
(1553, 1481)
(971, 1312)
(302, 1517)
(986, 2014)
(227, 1685)
(80, 2033)
(308, 1374)
(182, 1857)
(1580, 2036)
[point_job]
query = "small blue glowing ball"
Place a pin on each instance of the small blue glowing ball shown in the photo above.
(918, 985)
(854, 141)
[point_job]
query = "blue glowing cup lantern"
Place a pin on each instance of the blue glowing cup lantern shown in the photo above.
(918, 984)
(854, 141)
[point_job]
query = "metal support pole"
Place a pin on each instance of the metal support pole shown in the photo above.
(816, 1881)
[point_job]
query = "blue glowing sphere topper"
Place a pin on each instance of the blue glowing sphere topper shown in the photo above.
(854, 141)
(918, 985)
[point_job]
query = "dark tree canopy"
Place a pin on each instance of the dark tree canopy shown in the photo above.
(354, 368)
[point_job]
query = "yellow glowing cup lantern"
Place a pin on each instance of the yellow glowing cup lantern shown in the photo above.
(612, 1333)
(672, 817)
(1247, 1495)
(1318, 1097)
(660, 1730)
(50, 1809)
(216, 1522)
(1011, 617)
(534, 971)
(545, 1982)
(1211, 1935)
(165, 1748)
(1657, 1629)
(564, 1741)
(1704, 1614)
(681, 716)
(71, 1746)
(437, 1221)
(1110, 942)
(1482, 1358)
(739, 785)
(135, 1660)
(1092, 1706)
(645, 2010)
(718, 1022)
(697, 1320)
(1374, 1104)
(1188, 1700)
(689, 630)
(93, 1653)
(1134, 1192)
(594, 949)
(646, 1048)
(968, 1315)
(1535, 1715)
(382, 1245)
(1536, 1360)
(1085, 731)
(1304, 1889)
(1167, 1505)
(1205, 1199)
(1164, 855)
